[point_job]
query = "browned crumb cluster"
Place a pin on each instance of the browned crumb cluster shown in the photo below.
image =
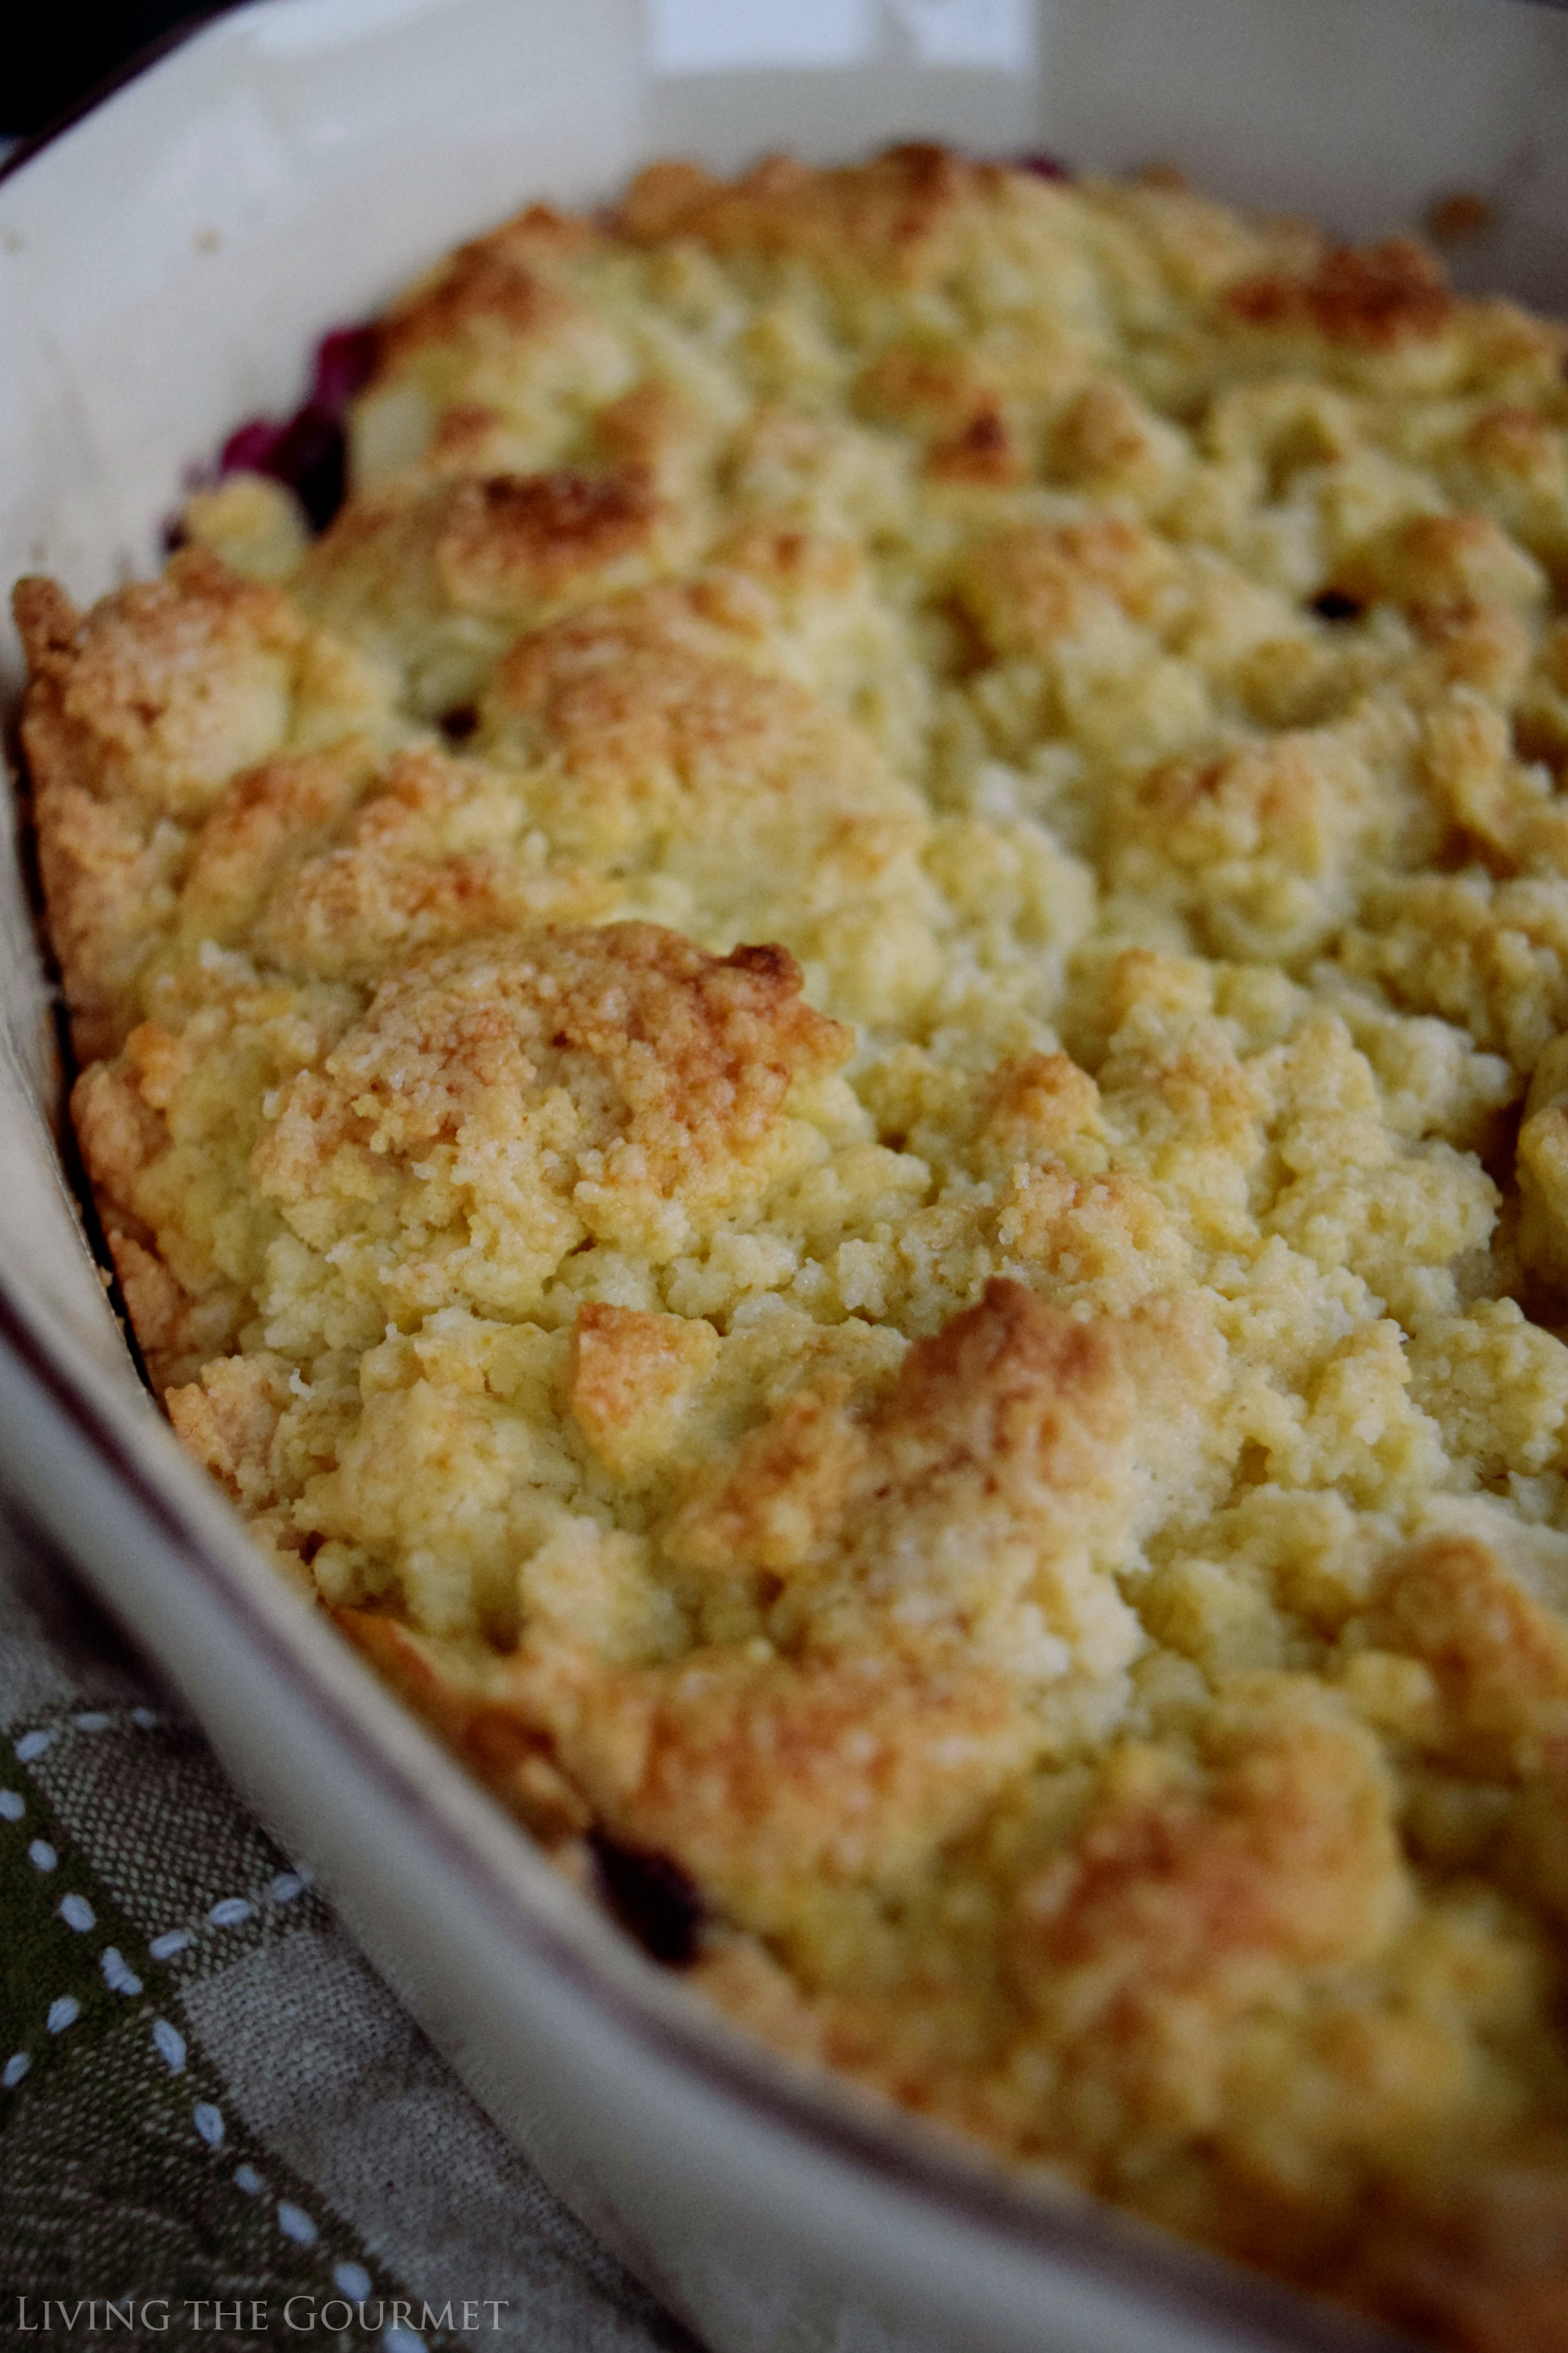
(832, 1067)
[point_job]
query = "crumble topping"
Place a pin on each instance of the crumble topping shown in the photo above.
(829, 1067)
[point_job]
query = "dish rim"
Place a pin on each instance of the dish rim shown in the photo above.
(32, 144)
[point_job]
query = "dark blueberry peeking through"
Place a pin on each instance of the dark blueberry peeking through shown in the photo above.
(308, 452)
(1337, 605)
(345, 362)
(458, 723)
(652, 1898)
(1044, 167)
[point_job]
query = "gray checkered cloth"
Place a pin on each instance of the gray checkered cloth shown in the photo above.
(207, 2099)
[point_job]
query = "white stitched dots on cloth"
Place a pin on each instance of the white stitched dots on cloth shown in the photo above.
(295, 2223)
(169, 2044)
(208, 2122)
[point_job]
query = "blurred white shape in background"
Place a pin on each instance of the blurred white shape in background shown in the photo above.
(997, 36)
(718, 37)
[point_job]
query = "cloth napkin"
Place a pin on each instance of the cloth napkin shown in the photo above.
(211, 2111)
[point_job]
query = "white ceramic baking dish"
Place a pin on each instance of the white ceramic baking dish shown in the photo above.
(165, 265)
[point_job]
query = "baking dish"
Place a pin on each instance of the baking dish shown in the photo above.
(127, 369)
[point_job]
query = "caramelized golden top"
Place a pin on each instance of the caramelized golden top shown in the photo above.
(830, 1069)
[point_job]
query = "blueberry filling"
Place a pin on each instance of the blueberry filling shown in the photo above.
(652, 1898)
(309, 452)
(1337, 605)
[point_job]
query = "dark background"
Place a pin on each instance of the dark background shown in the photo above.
(69, 52)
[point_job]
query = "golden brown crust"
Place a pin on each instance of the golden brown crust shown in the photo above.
(506, 535)
(138, 720)
(1279, 1862)
(542, 1087)
(261, 830)
(627, 694)
(134, 719)
(969, 437)
(741, 1768)
(782, 1501)
(512, 1758)
(1014, 1388)
(1011, 1409)
(1046, 581)
(495, 281)
(1016, 1438)
(697, 1049)
(400, 879)
(1499, 1659)
(632, 1378)
(1378, 298)
(229, 1419)
(1459, 564)
(439, 576)
(894, 215)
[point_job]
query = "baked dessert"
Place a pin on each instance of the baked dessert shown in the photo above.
(830, 1068)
